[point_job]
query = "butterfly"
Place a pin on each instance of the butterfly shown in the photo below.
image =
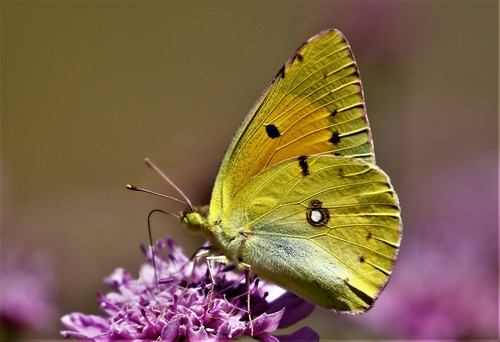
(298, 197)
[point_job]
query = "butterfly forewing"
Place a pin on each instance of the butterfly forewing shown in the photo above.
(314, 106)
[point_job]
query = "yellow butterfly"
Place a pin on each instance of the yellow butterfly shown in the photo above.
(298, 197)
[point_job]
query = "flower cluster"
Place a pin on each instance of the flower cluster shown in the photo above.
(27, 292)
(185, 300)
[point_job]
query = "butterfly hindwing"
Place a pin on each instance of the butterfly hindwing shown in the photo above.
(325, 227)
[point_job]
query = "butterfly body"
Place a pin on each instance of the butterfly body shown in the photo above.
(298, 196)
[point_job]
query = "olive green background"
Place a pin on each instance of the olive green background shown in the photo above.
(88, 89)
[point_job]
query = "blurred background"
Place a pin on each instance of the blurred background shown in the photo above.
(89, 89)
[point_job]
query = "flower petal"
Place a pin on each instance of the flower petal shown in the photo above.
(88, 326)
(267, 322)
(296, 308)
(303, 334)
(170, 332)
(230, 331)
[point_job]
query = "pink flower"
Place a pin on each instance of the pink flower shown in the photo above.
(27, 292)
(186, 305)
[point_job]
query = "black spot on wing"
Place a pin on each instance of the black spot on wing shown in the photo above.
(281, 72)
(272, 131)
(340, 172)
(304, 165)
(363, 296)
(335, 139)
(333, 113)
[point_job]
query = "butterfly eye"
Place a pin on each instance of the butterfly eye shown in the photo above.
(316, 215)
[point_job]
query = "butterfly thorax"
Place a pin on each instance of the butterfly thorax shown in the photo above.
(227, 241)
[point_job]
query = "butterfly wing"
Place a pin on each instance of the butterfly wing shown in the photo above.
(327, 228)
(298, 196)
(315, 105)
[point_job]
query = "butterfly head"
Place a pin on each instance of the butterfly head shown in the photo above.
(195, 218)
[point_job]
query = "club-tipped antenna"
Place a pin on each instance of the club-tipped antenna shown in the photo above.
(136, 188)
(172, 184)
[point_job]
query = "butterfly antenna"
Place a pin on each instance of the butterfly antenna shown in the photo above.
(168, 180)
(136, 188)
(151, 240)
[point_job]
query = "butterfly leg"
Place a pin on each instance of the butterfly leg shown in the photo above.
(209, 260)
(222, 259)
(201, 252)
(248, 282)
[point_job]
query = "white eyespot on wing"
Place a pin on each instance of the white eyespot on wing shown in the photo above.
(316, 216)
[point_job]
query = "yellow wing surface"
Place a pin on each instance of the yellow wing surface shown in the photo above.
(324, 227)
(298, 196)
(315, 105)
